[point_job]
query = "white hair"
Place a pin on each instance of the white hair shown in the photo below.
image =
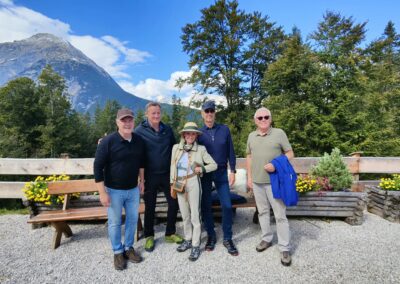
(262, 109)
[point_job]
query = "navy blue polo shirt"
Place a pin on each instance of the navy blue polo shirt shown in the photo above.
(219, 145)
(117, 161)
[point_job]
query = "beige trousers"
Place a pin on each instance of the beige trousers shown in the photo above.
(264, 200)
(189, 205)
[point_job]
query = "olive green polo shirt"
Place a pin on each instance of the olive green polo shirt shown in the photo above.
(263, 149)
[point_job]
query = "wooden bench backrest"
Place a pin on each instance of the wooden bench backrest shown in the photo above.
(72, 186)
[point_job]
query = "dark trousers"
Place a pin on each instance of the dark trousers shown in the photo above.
(153, 184)
(220, 179)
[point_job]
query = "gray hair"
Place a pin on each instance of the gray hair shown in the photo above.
(263, 109)
(152, 104)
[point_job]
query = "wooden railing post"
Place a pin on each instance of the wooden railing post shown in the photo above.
(356, 175)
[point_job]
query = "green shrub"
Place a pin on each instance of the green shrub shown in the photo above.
(333, 170)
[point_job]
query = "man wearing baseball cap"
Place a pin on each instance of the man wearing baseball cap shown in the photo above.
(218, 142)
(118, 162)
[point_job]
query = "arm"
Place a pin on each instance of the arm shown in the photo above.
(289, 154)
(208, 161)
(98, 167)
(104, 197)
(232, 159)
(248, 169)
(141, 180)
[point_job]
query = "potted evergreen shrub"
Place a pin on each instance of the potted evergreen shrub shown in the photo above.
(325, 192)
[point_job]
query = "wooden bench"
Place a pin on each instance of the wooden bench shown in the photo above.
(59, 218)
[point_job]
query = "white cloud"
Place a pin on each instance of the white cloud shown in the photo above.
(18, 22)
(162, 91)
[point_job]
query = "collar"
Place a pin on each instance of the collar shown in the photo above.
(180, 146)
(122, 139)
(265, 134)
(215, 126)
(161, 127)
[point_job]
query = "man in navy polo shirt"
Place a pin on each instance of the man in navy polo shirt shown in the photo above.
(218, 142)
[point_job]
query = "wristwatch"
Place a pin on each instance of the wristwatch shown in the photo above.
(233, 171)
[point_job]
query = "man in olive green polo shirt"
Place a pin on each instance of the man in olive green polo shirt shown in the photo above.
(263, 145)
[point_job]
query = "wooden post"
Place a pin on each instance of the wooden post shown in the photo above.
(356, 176)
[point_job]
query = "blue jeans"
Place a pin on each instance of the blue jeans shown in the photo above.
(220, 179)
(129, 200)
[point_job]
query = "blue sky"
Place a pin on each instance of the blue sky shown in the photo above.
(138, 42)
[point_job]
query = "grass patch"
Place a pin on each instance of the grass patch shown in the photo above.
(5, 211)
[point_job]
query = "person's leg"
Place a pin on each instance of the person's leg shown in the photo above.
(114, 213)
(185, 211)
(194, 197)
(222, 185)
(172, 205)
(263, 207)
(282, 224)
(206, 204)
(131, 216)
(150, 198)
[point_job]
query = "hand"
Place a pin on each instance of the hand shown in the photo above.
(173, 193)
(249, 184)
(105, 199)
(232, 179)
(141, 186)
(269, 168)
(197, 170)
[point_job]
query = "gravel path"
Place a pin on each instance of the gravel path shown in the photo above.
(324, 252)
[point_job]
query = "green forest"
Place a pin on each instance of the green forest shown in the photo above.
(327, 89)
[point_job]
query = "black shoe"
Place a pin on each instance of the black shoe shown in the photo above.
(194, 254)
(185, 245)
(286, 259)
(210, 245)
(119, 261)
(232, 250)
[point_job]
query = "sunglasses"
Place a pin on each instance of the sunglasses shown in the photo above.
(210, 110)
(266, 117)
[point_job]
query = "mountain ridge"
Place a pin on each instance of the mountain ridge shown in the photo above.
(87, 83)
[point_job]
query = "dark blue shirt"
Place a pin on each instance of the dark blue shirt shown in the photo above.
(219, 145)
(117, 161)
(158, 147)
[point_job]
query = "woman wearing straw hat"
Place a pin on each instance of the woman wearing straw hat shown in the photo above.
(189, 161)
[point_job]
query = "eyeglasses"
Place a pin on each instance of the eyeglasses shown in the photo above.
(266, 117)
(210, 110)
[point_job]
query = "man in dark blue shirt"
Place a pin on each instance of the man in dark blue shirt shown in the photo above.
(218, 142)
(118, 162)
(159, 140)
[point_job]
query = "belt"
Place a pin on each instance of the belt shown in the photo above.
(187, 177)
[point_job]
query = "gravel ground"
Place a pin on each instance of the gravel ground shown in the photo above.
(323, 252)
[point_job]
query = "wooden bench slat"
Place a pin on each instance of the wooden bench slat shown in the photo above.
(90, 213)
(72, 186)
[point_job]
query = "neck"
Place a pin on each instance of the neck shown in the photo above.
(125, 135)
(209, 124)
(263, 131)
(156, 126)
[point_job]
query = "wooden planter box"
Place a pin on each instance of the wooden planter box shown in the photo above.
(343, 204)
(384, 203)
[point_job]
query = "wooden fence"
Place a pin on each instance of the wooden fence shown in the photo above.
(34, 167)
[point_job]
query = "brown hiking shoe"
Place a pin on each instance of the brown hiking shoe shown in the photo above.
(286, 259)
(133, 256)
(119, 261)
(262, 246)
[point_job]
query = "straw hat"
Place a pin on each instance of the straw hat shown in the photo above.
(190, 127)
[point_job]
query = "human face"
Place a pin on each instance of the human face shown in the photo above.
(190, 137)
(263, 124)
(153, 114)
(125, 126)
(208, 116)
